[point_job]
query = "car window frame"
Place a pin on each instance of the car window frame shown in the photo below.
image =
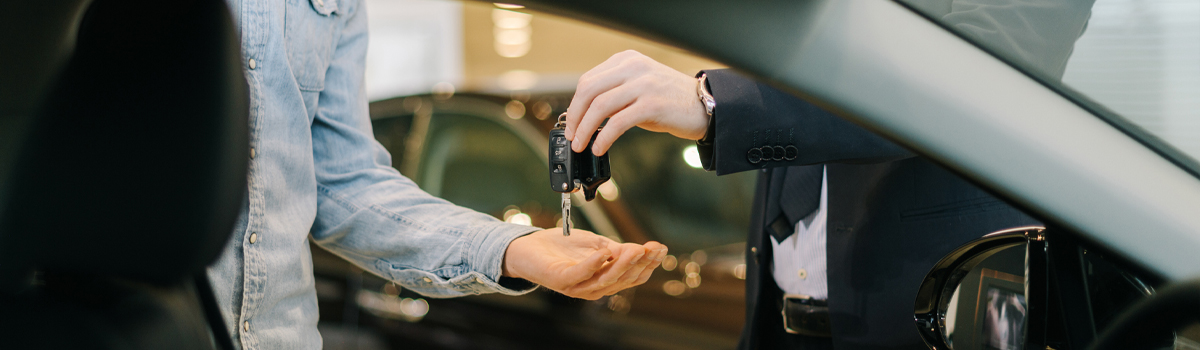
(1102, 183)
(1151, 140)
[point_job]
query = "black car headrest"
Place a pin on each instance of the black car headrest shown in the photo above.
(135, 164)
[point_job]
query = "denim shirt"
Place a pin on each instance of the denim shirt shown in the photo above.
(316, 172)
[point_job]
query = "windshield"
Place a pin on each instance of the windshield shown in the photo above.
(1135, 63)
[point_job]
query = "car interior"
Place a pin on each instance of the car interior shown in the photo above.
(115, 198)
(123, 147)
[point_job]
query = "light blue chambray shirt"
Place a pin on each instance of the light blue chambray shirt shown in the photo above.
(316, 171)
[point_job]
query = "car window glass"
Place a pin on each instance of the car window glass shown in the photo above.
(1139, 59)
(684, 206)
(1110, 287)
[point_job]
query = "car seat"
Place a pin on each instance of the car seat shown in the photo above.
(126, 181)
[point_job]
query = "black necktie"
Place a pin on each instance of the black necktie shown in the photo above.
(800, 198)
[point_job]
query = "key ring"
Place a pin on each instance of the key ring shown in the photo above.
(562, 121)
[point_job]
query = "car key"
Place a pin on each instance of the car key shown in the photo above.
(560, 170)
(572, 171)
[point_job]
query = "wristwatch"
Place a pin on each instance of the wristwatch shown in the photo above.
(710, 105)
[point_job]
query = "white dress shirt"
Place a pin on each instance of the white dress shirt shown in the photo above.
(799, 261)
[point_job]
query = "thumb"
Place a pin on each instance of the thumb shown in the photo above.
(585, 269)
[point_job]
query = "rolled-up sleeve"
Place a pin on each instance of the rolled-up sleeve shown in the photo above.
(381, 221)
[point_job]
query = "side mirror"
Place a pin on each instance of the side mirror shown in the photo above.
(1029, 288)
(976, 297)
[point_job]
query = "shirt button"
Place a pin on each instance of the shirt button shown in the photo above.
(477, 280)
(252, 64)
(803, 274)
(246, 325)
(251, 152)
(253, 237)
(427, 280)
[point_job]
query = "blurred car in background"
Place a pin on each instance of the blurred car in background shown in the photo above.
(488, 153)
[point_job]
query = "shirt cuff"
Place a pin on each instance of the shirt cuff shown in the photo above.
(705, 145)
(487, 257)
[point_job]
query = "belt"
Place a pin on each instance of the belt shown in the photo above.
(804, 315)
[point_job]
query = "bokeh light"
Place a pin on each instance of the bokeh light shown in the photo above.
(691, 156)
(511, 32)
(674, 288)
(514, 109)
(518, 79)
(670, 263)
(520, 219)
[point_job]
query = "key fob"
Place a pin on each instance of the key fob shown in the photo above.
(591, 170)
(571, 171)
(562, 173)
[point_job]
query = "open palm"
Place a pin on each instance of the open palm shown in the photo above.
(582, 265)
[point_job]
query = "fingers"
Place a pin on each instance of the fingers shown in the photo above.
(584, 101)
(632, 254)
(628, 265)
(608, 104)
(620, 122)
(608, 75)
(608, 275)
(658, 259)
(655, 253)
(627, 280)
(587, 268)
(612, 61)
(641, 272)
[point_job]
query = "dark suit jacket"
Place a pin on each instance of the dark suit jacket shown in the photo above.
(891, 215)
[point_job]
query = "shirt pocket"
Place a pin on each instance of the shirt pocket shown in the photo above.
(309, 32)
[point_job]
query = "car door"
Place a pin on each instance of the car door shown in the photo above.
(907, 71)
(889, 68)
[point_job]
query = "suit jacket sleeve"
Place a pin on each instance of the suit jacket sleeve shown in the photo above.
(752, 115)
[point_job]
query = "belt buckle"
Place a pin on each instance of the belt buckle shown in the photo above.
(787, 327)
(799, 329)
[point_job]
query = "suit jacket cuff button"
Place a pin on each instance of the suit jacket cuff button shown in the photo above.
(768, 152)
(755, 155)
